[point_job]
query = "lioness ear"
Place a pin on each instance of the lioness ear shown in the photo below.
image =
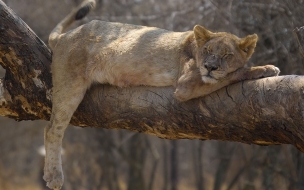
(248, 44)
(202, 35)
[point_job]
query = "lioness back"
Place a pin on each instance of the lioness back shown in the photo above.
(121, 54)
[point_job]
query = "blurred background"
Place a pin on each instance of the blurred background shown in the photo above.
(100, 159)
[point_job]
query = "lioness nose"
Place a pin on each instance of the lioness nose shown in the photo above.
(211, 67)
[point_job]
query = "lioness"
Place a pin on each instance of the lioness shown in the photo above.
(196, 63)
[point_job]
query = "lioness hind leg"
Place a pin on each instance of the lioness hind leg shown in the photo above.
(65, 102)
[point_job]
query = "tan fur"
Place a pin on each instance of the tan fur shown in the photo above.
(196, 62)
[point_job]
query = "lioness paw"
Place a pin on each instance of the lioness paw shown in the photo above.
(55, 184)
(271, 70)
(259, 72)
(180, 95)
(54, 177)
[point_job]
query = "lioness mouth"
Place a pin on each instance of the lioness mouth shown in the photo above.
(210, 75)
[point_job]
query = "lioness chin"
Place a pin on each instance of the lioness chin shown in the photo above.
(196, 63)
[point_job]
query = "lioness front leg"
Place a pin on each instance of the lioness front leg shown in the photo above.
(248, 73)
(190, 84)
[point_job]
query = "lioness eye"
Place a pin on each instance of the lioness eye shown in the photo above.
(207, 49)
(227, 55)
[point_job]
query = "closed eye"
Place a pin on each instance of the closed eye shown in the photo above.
(207, 50)
(227, 55)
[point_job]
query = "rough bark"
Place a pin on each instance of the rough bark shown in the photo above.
(266, 111)
(25, 90)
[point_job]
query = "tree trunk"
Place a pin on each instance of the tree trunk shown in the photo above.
(137, 154)
(174, 166)
(266, 111)
(197, 151)
(165, 166)
(225, 153)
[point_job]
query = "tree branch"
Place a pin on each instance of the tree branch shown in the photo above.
(299, 33)
(265, 111)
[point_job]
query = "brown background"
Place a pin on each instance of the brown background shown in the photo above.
(119, 160)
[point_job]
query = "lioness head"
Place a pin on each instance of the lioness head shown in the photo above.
(219, 54)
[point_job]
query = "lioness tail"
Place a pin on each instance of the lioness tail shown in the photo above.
(81, 11)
